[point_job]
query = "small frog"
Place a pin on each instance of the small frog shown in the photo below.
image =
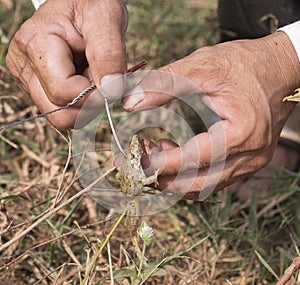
(132, 178)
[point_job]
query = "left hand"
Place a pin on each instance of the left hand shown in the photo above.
(244, 82)
(66, 46)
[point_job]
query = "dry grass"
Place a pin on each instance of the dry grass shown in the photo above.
(50, 230)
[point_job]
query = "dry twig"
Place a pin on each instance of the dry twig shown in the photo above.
(50, 212)
(287, 278)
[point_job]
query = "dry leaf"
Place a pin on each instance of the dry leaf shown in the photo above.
(293, 98)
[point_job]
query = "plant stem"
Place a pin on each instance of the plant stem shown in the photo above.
(101, 248)
(142, 259)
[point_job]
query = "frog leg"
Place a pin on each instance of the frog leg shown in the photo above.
(151, 179)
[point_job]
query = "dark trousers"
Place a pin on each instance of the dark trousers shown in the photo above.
(248, 19)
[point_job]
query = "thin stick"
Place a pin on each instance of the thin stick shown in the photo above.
(55, 239)
(101, 248)
(142, 259)
(50, 273)
(112, 282)
(54, 210)
(288, 273)
(60, 195)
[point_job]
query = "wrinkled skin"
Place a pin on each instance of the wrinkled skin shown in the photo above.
(244, 83)
(47, 54)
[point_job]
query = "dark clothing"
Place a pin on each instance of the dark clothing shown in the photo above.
(248, 19)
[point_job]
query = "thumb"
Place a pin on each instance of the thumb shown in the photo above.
(173, 159)
(103, 26)
(159, 87)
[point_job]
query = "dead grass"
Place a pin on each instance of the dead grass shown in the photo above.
(50, 230)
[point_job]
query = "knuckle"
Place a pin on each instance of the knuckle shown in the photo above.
(264, 159)
(23, 36)
(252, 136)
(11, 65)
(12, 60)
(261, 143)
(14, 70)
(102, 52)
(104, 48)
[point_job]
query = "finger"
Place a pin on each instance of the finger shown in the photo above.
(17, 62)
(105, 49)
(162, 85)
(48, 49)
(21, 69)
(192, 186)
(151, 147)
(63, 119)
(166, 144)
(197, 153)
(200, 185)
(222, 141)
(187, 185)
(52, 61)
(158, 88)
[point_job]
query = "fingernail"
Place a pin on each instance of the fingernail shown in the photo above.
(135, 96)
(113, 86)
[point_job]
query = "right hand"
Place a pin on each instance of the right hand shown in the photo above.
(66, 46)
(244, 83)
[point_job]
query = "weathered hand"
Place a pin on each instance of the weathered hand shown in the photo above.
(63, 47)
(244, 82)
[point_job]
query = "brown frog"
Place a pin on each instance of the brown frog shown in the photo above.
(132, 177)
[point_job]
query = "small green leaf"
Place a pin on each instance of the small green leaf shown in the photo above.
(265, 264)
